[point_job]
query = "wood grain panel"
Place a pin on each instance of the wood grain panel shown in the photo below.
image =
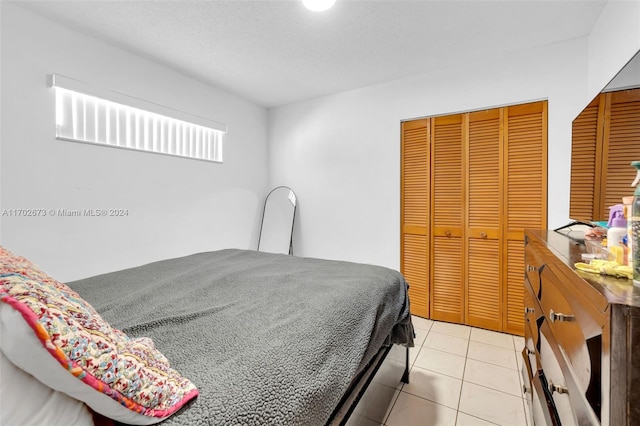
(514, 321)
(414, 213)
(447, 204)
(526, 167)
(484, 172)
(447, 298)
(415, 270)
(484, 298)
(623, 146)
(415, 173)
(583, 163)
(483, 307)
(447, 198)
(526, 199)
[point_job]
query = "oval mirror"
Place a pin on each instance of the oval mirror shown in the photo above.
(276, 232)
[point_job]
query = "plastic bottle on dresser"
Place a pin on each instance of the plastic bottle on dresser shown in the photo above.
(615, 234)
(635, 226)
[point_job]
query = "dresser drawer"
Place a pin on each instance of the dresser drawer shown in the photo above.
(533, 315)
(541, 411)
(569, 399)
(533, 265)
(531, 337)
(532, 307)
(565, 325)
(557, 383)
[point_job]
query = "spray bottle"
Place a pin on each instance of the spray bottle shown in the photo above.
(617, 231)
(635, 225)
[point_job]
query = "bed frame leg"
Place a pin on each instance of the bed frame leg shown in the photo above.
(405, 376)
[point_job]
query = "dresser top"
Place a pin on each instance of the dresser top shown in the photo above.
(616, 290)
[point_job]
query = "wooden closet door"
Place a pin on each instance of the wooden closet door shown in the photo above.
(471, 184)
(586, 162)
(448, 211)
(414, 213)
(621, 145)
(484, 262)
(526, 198)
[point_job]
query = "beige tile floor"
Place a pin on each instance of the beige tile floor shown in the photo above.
(460, 376)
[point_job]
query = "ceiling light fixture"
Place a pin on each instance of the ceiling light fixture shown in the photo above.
(318, 5)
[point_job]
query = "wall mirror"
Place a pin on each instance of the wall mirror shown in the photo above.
(276, 232)
(605, 139)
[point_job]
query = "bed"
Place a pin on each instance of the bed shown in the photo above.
(265, 338)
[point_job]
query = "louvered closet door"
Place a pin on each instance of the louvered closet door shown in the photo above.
(526, 198)
(414, 213)
(604, 142)
(585, 163)
(447, 193)
(484, 263)
(621, 145)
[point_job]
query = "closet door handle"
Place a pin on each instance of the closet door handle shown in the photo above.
(447, 234)
(483, 235)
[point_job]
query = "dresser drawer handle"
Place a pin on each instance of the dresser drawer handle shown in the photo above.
(528, 310)
(557, 388)
(553, 316)
(530, 268)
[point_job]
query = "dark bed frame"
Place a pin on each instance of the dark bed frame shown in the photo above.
(360, 384)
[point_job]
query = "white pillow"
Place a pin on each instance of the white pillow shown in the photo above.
(26, 401)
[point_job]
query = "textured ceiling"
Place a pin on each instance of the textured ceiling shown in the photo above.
(275, 52)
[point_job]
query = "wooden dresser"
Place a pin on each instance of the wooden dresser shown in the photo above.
(582, 338)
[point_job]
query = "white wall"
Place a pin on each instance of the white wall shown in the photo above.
(176, 206)
(341, 153)
(613, 41)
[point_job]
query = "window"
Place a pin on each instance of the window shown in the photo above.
(90, 115)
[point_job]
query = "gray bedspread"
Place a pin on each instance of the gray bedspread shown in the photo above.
(266, 338)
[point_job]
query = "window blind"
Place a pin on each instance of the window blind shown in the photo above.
(91, 115)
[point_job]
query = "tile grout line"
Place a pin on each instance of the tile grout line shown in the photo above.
(497, 390)
(524, 396)
(393, 404)
(475, 341)
(466, 357)
(410, 369)
(463, 381)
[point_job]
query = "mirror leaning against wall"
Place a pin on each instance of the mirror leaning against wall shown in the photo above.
(276, 231)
